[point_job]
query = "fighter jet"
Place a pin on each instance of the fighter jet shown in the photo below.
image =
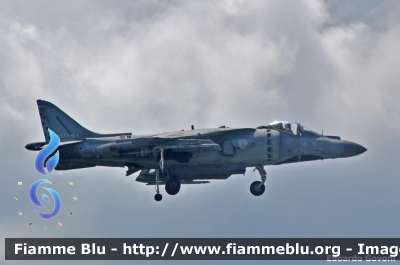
(189, 157)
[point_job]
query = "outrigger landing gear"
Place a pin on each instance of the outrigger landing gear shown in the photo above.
(172, 185)
(158, 196)
(257, 188)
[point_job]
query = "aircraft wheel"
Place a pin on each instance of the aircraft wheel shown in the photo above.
(172, 186)
(255, 189)
(158, 197)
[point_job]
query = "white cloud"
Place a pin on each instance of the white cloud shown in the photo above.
(210, 61)
(364, 91)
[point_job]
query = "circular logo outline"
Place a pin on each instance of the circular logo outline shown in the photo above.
(35, 200)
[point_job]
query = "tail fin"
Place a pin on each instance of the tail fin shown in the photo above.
(63, 125)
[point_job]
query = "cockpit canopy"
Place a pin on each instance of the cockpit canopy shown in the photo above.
(290, 127)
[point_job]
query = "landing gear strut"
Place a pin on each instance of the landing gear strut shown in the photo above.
(172, 185)
(158, 196)
(257, 188)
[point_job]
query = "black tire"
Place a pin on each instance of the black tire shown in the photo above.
(172, 186)
(158, 197)
(255, 190)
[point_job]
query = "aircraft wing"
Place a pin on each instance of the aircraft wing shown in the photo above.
(149, 176)
(189, 145)
(196, 134)
(203, 140)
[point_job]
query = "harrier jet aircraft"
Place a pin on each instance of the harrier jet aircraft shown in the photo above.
(189, 157)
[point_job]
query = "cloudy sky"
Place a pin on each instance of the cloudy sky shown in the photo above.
(156, 66)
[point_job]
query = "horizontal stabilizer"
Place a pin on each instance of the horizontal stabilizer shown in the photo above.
(40, 145)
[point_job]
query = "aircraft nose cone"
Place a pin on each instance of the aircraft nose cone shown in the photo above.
(352, 149)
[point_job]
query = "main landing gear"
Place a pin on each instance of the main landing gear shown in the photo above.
(257, 188)
(172, 185)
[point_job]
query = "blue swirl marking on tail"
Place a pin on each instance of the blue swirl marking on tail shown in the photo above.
(35, 200)
(45, 152)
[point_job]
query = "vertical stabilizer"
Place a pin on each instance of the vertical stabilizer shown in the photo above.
(63, 125)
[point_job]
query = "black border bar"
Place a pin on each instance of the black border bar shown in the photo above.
(335, 249)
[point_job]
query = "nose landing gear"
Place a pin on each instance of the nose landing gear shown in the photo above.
(257, 188)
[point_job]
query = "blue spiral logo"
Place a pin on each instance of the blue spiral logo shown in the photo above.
(35, 200)
(50, 166)
(46, 152)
